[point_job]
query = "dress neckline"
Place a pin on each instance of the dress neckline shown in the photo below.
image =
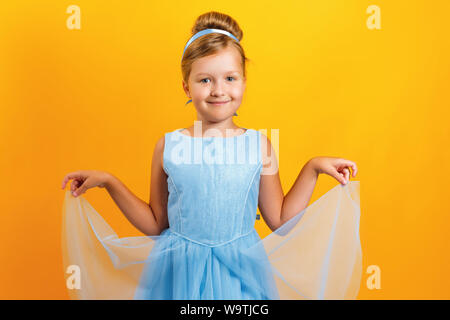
(185, 135)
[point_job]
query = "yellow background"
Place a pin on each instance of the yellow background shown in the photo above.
(100, 97)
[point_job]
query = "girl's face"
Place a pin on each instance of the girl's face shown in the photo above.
(216, 78)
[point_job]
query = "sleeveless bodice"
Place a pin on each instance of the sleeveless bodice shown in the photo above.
(213, 185)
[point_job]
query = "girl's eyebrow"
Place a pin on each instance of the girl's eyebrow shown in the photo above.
(232, 71)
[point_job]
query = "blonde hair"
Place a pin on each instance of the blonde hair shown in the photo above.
(212, 43)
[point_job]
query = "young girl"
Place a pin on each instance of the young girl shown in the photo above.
(207, 181)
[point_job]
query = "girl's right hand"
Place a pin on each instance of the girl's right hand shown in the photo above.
(84, 180)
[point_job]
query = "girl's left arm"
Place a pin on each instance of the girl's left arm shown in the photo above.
(300, 194)
(275, 207)
(298, 197)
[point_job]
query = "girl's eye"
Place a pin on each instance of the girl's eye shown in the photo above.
(208, 79)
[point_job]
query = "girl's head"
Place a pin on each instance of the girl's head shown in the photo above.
(213, 68)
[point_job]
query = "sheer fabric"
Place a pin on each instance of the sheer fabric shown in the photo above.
(211, 249)
(314, 255)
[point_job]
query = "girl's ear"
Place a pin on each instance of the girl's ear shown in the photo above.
(186, 89)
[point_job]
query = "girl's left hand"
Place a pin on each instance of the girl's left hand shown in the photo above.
(338, 168)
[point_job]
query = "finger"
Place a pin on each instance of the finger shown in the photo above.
(64, 181)
(74, 185)
(82, 189)
(351, 164)
(69, 176)
(346, 174)
(339, 177)
(354, 168)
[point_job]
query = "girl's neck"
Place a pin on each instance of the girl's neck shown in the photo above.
(213, 129)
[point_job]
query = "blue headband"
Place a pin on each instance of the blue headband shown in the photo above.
(206, 31)
(202, 33)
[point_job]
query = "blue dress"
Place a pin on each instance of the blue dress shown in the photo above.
(211, 249)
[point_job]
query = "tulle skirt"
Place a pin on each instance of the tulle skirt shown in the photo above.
(314, 255)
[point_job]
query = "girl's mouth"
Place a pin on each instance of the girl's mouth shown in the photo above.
(218, 103)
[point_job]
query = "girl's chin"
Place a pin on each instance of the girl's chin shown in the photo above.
(219, 114)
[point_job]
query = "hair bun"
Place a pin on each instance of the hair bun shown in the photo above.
(217, 20)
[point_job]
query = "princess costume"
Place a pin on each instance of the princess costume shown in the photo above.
(211, 249)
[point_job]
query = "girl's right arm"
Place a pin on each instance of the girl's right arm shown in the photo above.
(137, 211)
(150, 218)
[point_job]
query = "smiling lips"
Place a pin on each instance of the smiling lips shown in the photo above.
(218, 103)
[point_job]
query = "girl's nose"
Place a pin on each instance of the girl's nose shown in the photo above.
(217, 89)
